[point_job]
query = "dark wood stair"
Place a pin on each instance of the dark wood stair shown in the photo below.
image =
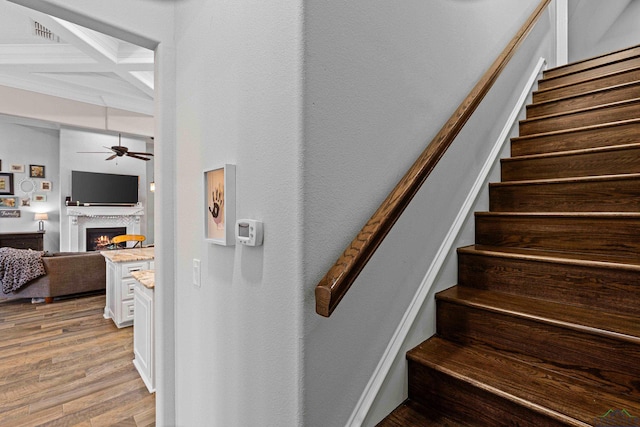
(543, 327)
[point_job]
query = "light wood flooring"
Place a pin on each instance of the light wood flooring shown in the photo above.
(63, 364)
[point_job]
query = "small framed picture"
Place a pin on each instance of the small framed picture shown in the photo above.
(45, 186)
(6, 183)
(16, 168)
(220, 205)
(39, 198)
(25, 201)
(8, 202)
(36, 171)
(9, 213)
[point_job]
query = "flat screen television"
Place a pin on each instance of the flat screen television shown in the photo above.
(104, 188)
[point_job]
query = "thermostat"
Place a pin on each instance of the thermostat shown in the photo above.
(249, 232)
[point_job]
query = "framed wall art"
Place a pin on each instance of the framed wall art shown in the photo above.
(45, 186)
(6, 183)
(39, 198)
(220, 205)
(16, 168)
(36, 171)
(8, 202)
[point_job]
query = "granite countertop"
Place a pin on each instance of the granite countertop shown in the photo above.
(126, 255)
(146, 277)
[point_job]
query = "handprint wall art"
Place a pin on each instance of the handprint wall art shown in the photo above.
(220, 204)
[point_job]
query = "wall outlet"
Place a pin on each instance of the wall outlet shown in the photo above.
(196, 272)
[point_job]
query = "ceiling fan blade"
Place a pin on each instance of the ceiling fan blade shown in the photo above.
(111, 157)
(137, 157)
(140, 154)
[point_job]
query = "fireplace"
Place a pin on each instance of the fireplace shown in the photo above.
(99, 239)
(82, 218)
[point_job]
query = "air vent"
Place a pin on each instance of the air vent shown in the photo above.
(45, 33)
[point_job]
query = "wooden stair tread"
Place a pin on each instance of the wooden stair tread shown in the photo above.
(595, 97)
(610, 215)
(575, 179)
(413, 414)
(604, 149)
(610, 325)
(551, 93)
(581, 110)
(592, 62)
(525, 384)
(562, 132)
(594, 260)
(594, 73)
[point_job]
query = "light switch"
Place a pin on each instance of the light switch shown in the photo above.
(196, 272)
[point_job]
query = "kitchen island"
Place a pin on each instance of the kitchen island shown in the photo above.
(144, 327)
(120, 283)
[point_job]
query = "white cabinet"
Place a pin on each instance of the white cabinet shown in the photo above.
(143, 334)
(120, 290)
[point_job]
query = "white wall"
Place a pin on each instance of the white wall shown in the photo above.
(597, 27)
(380, 81)
(26, 145)
(72, 144)
(239, 338)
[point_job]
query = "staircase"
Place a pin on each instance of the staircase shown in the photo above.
(543, 328)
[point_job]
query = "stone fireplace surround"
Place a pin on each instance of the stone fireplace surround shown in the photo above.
(83, 217)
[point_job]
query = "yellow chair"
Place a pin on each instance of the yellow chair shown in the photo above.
(138, 238)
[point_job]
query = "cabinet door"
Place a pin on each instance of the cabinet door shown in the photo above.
(143, 332)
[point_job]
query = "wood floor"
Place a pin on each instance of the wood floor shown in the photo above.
(63, 364)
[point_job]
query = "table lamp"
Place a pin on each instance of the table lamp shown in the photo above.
(41, 217)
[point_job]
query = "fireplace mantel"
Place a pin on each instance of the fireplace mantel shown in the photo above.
(83, 217)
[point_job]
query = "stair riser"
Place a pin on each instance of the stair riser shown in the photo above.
(617, 236)
(628, 64)
(579, 119)
(585, 101)
(466, 402)
(609, 162)
(587, 86)
(592, 63)
(589, 196)
(576, 140)
(613, 290)
(590, 357)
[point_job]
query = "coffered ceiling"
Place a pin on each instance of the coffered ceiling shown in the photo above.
(47, 55)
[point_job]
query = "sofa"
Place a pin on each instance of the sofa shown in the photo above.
(68, 273)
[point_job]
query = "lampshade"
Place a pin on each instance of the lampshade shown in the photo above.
(41, 217)
(152, 186)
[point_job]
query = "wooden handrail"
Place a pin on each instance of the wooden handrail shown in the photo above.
(335, 284)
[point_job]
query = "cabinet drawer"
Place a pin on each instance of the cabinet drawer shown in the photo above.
(133, 266)
(127, 310)
(126, 288)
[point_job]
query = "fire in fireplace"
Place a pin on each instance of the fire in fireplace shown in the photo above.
(99, 239)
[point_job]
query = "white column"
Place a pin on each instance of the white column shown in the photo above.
(562, 32)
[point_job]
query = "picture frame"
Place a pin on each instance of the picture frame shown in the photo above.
(10, 213)
(39, 198)
(6, 183)
(16, 168)
(220, 205)
(45, 186)
(9, 202)
(36, 171)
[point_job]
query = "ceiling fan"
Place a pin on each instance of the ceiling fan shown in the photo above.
(120, 151)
